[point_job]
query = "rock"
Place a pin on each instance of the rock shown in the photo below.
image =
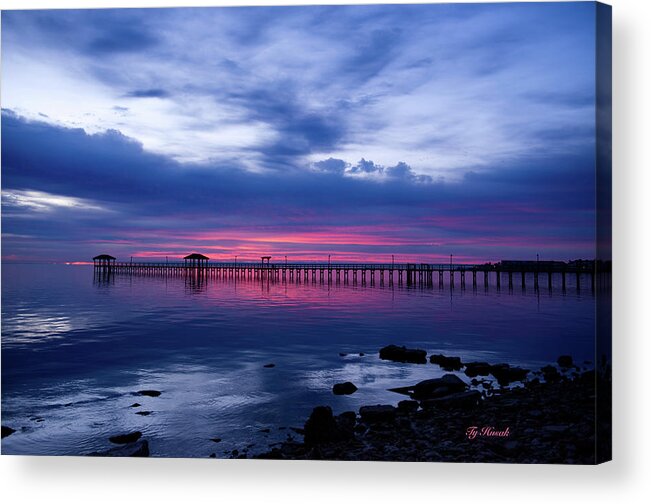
(345, 388)
(265, 431)
(378, 413)
(342, 354)
(132, 437)
(438, 387)
(407, 406)
(135, 405)
(216, 439)
(321, 427)
(477, 369)
(403, 354)
(212, 455)
(137, 449)
(346, 423)
(463, 400)
(565, 361)
(270, 365)
(143, 413)
(7, 431)
(447, 363)
(150, 393)
(506, 374)
(361, 354)
(550, 374)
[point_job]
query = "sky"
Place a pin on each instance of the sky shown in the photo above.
(357, 131)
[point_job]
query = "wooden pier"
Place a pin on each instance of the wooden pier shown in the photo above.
(586, 274)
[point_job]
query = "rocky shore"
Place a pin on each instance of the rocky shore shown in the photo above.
(548, 418)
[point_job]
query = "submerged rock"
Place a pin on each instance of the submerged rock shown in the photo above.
(126, 438)
(447, 363)
(7, 431)
(403, 354)
(137, 449)
(345, 388)
(150, 393)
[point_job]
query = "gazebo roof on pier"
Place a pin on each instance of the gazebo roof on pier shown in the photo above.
(103, 256)
(196, 256)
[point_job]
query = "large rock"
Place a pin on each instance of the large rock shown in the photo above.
(477, 369)
(438, 387)
(550, 374)
(137, 449)
(506, 374)
(322, 427)
(150, 393)
(7, 431)
(447, 363)
(461, 400)
(378, 413)
(345, 388)
(131, 437)
(403, 354)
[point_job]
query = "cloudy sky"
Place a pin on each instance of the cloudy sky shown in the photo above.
(361, 131)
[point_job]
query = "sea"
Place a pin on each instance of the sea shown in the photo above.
(77, 348)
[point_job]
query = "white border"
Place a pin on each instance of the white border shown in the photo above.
(627, 479)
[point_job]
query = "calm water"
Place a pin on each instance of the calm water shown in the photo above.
(74, 351)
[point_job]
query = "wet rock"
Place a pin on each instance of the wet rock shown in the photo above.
(126, 438)
(407, 406)
(7, 431)
(216, 440)
(143, 413)
(135, 405)
(270, 365)
(321, 427)
(565, 361)
(438, 387)
(137, 449)
(345, 388)
(378, 413)
(477, 369)
(342, 354)
(447, 363)
(462, 400)
(506, 374)
(403, 354)
(150, 393)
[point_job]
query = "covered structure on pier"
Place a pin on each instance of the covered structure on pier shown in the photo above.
(103, 261)
(196, 260)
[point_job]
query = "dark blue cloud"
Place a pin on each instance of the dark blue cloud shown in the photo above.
(146, 192)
